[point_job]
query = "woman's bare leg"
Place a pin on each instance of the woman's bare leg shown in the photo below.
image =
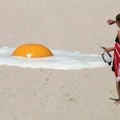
(118, 91)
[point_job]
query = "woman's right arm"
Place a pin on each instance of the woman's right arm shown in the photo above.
(110, 21)
(109, 49)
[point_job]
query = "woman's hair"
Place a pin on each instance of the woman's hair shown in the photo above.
(118, 17)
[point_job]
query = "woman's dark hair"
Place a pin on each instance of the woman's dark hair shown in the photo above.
(118, 17)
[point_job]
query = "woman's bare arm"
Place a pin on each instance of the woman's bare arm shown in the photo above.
(110, 21)
(109, 49)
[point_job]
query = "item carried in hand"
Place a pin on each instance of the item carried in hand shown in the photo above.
(107, 58)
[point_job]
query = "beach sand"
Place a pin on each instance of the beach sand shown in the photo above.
(47, 94)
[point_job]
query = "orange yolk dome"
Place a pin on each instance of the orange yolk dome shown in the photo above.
(32, 51)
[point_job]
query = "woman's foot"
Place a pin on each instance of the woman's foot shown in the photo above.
(114, 99)
(117, 102)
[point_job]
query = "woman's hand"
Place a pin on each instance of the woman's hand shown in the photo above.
(110, 22)
(109, 49)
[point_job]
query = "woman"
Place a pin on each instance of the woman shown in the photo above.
(116, 60)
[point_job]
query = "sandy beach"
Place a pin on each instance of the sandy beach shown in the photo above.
(49, 94)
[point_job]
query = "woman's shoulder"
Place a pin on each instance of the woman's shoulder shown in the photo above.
(119, 31)
(117, 39)
(118, 35)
